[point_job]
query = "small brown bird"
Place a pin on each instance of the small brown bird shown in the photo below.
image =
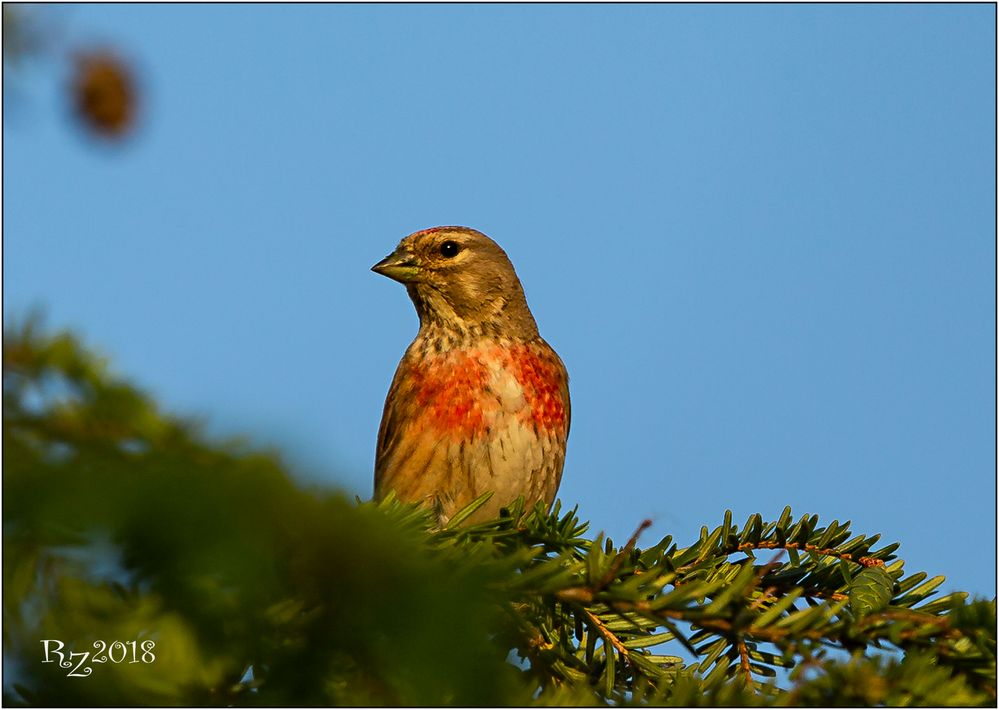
(479, 402)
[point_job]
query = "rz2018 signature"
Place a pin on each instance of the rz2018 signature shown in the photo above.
(114, 652)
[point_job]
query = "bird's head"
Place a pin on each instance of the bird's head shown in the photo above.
(461, 280)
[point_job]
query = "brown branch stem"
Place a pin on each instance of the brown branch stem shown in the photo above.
(619, 559)
(829, 552)
(744, 662)
(606, 634)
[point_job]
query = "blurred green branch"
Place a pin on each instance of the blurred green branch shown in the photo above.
(125, 524)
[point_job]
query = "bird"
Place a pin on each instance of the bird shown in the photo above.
(479, 402)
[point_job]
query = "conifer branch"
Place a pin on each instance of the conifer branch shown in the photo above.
(280, 596)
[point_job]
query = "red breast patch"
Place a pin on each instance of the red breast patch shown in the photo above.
(452, 393)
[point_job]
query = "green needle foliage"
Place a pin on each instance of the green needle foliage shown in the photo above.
(124, 524)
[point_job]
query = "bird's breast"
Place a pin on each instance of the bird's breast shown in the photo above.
(464, 393)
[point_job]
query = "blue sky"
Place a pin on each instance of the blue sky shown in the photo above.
(762, 239)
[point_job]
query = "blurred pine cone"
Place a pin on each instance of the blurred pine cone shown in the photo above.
(104, 94)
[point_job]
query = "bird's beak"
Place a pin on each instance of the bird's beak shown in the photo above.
(400, 266)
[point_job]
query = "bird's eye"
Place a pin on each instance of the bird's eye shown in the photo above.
(449, 249)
